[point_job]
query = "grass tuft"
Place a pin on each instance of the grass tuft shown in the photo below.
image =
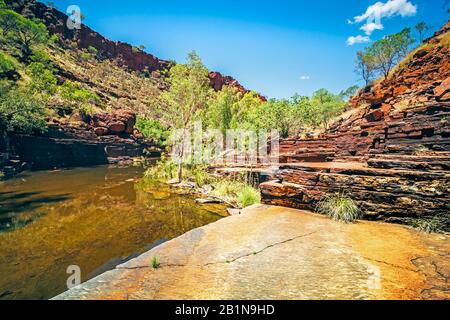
(421, 150)
(249, 196)
(155, 263)
(339, 207)
(437, 224)
(236, 191)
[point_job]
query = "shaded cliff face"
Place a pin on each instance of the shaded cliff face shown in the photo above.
(85, 37)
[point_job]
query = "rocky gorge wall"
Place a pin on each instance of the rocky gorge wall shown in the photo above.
(85, 37)
(100, 139)
(391, 154)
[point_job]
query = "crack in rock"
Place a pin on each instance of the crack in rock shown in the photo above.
(262, 250)
(218, 262)
(391, 264)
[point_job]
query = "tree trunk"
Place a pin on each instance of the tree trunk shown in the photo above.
(180, 163)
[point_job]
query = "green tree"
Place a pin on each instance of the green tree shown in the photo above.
(365, 66)
(188, 95)
(221, 109)
(421, 28)
(304, 113)
(390, 50)
(21, 32)
(349, 92)
(153, 129)
(21, 112)
(327, 105)
(245, 112)
(278, 115)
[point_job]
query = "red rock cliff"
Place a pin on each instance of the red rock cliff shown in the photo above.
(86, 37)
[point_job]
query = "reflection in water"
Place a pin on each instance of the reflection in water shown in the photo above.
(95, 218)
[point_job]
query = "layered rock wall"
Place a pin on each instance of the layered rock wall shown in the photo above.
(102, 139)
(390, 154)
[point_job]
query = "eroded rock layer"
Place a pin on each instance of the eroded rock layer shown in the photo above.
(391, 151)
(100, 139)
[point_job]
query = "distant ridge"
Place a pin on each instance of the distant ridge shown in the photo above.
(130, 57)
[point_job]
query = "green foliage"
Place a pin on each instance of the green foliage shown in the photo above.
(200, 174)
(389, 51)
(41, 56)
(278, 115)
(327, 106)
(229, 109)
(421, 28)
(349, 92)
(5, 86)
(21, 33)
(72, 91)
(153, 129)
(187, 97)
(436, 224)
(84, 56)
(53, 39)
(236, 191)
(155, 263)
(163, 169)
(365, 66)
(7, 65)
(84, 100)
(249, 196)
(21, 112)
(221, 110)
(421, 150)
(339, 207)
(42, 79)
(92, 50)
(189, 90)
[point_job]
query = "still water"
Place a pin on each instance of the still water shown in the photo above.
(94, 218)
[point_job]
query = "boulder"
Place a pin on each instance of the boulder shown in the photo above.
(101, 131)
(117, 127)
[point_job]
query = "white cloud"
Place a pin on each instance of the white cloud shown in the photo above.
(376, 12)
(358, 39)
(369, 28)
(305, 77)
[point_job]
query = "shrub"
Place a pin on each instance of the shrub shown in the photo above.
(86, 110)
(43, 79)
(249, 196)
(153, 129)
(437, 224)
(92, 50)
(42, 57)
(7, 65)
(21, 112)
(164, 169)
(237, 192)
(339, 207)
(73, 92)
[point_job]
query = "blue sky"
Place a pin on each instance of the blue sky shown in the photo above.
(277, 48)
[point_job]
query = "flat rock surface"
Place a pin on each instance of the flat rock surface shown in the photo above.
(278, 253)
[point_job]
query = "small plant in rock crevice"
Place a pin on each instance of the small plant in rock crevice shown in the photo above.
(437, 224)
(339, 207)
(155, 263)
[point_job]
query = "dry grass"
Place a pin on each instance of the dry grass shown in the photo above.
(117, 87)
